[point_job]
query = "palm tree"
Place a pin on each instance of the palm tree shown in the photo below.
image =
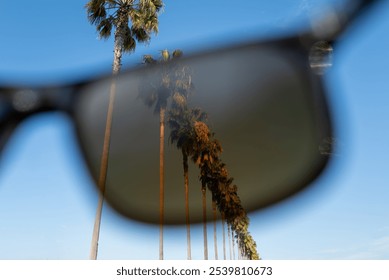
(157, 95)
(237, 218)
(214, 175)
(181, 121)
(194, 138)
(201, 157)
(205, 154)
(174, 81)
(142, 15)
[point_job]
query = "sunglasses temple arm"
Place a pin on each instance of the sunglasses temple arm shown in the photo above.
(359, 9)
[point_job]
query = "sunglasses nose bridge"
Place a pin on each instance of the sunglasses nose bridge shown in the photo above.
(26, 102)
(18, 104)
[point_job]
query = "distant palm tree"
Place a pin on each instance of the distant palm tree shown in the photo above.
(132, 20)
(193, 137)
(158, 97)
(237, 219)
(205, 154)
(181, 121)
(215, 176)
(175, 81)
(200, 157)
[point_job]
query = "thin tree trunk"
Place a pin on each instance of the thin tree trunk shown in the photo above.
(238, 249)
(103, 174)
(186, 181)
(161, 179)
(214, 228)
(118, 50)
(119, 41)
(233, 244)
(224, 237)
(229, 240)
(204, 199)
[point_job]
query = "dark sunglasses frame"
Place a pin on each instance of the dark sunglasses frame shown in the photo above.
(18, 102)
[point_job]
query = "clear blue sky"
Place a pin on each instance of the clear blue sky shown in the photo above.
(47, 203)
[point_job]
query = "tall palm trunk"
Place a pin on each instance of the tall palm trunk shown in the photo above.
(214, 228)
(239, 251)
(118, 50)
(204, 200)
(229, 240)
(224, 237)
(120, 33)
(186, 181)
(161, 178)
(233, 244)
(103, 173)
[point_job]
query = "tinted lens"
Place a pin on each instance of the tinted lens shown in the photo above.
(262, 104)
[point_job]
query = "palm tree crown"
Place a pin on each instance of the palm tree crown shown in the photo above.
(133, 20)
(143, 15)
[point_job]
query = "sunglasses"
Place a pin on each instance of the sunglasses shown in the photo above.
(261, 108)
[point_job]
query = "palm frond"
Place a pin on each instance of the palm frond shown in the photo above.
(105, 28)
(150, 23)
(165, 55)
(147, 6)
(136, 18)
(177, 53)
(96, 11)
(148, 59)
(158, 4)
(112, 4)
(150, 6)
(163, 95)
(129, 43)
(140, 34)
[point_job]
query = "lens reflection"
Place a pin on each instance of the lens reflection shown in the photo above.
(256, 103)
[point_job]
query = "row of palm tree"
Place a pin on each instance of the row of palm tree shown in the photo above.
(191, 135)
(134, 21)
(180, 120)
